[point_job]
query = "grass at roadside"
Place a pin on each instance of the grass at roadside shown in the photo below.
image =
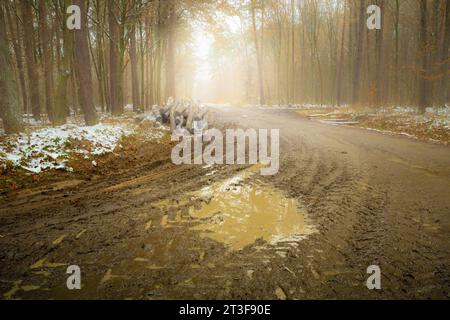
(434, 125)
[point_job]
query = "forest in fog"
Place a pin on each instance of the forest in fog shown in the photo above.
(194, 150)
(266, 52)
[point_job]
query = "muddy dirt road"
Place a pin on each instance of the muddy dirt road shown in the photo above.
(144, 228)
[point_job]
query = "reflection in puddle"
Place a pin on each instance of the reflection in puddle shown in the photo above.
(237, 214)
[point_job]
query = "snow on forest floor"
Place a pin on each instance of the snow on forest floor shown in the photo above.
(43, 148)
(433, 125)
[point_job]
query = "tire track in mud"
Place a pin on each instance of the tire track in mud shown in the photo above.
(130, 247)
(110, 212)
(354, 209)
(324, 188)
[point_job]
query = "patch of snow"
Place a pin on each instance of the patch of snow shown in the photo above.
(391, 132)
(211, 173)
(305, 106)
(152, 135)
(339, 122)
(49, 148)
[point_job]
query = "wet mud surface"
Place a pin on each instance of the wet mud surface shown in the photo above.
(143, 228)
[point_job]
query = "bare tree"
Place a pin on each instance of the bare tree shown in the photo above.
(444, 54)
(262, 98)
(341, 59)
(9, 106)
(83, 66)
(134, 72)
(380, 58)
(18, 51)
(171, 35)
(424, 87)
(30, 47)
(359, 53)
(47, 57)
(114, 80)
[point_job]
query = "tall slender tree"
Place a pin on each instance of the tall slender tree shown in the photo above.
(83, 65)
(134, 71)
(47, 57)
(424, 87)
(114, 79)
(9, 106)
(262, 97)
(30, 49)
(359, 53)
(171, 38)
(18, 51)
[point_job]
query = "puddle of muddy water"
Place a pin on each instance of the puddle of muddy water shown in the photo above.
(238, 212)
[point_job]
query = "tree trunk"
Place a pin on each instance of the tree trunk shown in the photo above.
(445, 57)
(9, 106)
(33, 79)
(142, 65)
(48, 66)
(396, 96)
(97, 55)
(341, 60)
(122, 42)
(359, 53)
(61, 110)
(423, 74)
(293, 70)
(170, 71)
(302, 76)
(17, 47)
(149, 93)
(134, 71)
(262, 98)
(83, 65)
(115, 107)
(380, 61)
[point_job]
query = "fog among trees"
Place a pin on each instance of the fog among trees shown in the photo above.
(267, 52)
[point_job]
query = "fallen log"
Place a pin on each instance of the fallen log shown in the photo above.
(181, 114)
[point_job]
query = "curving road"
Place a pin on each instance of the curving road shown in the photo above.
(374, 199)
(377, 199)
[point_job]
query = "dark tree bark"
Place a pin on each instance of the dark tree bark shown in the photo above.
(424, 86)
(444, 56)
(18, 53)
(380, 59)
(116, 108)
(134, 71)
(142, 64)
(170, 71)
(149, 93)
(340, 72)
(47, 57)
(97, 54)
(293, 53)
(83, 65)
(359, 52)
(61, 95)
(262, 97)
(33, 79)
(122, 45)
(9, 106)
(396, 88)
